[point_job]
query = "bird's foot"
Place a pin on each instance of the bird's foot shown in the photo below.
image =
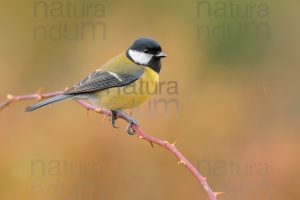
(131, 120)
(114, 117)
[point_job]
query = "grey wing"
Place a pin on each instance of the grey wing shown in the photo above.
(101, 79)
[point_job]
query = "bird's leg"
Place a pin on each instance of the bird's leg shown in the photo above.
(130, 119)
(114, 117)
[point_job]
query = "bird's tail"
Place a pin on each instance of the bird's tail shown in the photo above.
(48, 101)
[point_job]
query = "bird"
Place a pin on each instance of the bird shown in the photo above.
(124, 82)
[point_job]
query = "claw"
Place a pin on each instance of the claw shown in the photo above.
(114, 118)
(131, 121)
(129, 130)
(113, 123)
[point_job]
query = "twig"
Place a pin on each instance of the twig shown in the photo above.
(10, 98)
(141, 135)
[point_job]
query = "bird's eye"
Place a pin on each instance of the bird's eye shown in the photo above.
(146, 51)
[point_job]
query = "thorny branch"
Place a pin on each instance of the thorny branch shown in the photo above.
(141, 135)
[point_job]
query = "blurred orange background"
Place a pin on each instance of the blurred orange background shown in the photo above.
(237, 118)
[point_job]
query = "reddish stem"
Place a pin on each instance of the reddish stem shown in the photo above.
(142, 135)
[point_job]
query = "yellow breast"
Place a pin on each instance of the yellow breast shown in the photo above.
(131, 95)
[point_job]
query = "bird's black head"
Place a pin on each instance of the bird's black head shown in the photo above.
(146, 51)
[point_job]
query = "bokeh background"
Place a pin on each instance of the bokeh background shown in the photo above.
(236, 115)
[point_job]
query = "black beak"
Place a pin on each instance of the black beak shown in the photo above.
(161, 55)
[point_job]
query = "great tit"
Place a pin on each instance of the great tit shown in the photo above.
(123, 82)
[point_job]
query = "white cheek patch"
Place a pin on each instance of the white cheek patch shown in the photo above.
(140, 57)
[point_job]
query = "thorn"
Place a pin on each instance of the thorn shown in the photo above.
(104, 118)
(181, 162)
(39, 97)
(151, 143)
(98, 110)
(205, 178)
(140, 137)
(66, 88)
(174, 143)
(9, 97)
(166, 142)
(39, 91)
(218, 193)
(130, 113)
(38, 94)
